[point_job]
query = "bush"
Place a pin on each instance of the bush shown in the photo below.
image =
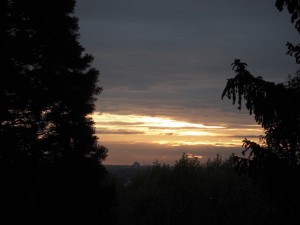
(191, 193)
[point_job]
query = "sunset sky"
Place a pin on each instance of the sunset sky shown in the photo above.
(164, 65)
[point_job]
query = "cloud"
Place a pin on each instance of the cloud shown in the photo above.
(246, 136)
(138, 129)
(190, 155)
(152, 122)
(123, 132)
(171, 58)
(118, 123)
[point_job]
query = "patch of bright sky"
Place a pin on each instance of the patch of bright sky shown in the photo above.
(167, 131)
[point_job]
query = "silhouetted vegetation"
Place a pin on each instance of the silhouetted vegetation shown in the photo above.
(191, 192)
(125, 173)
(274, 162)
(50, 159)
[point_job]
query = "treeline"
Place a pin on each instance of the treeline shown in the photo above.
(191, 192)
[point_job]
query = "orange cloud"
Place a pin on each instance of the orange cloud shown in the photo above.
(167, 131)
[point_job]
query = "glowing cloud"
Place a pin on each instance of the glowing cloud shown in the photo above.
(167, 131)
(190, 155)
(141, 121)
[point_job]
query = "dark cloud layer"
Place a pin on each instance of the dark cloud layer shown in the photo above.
(172, 57)
(169, 49)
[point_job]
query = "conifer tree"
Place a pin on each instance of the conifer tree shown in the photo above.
(276, 108)
(47, 84)
(50, 160)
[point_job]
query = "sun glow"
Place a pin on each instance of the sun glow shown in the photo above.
(168, 131)
(141, 121)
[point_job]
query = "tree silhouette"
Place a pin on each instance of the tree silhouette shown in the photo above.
(48, 85)
(275, 106)
(275, 161)
(293, 9)
(49, 155)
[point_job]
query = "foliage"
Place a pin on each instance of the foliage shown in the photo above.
(275, 162)
(191, 192)
(50, 168)
(274, 107)
(47, 84)
(293, 7)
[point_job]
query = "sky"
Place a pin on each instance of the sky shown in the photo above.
(164, 64)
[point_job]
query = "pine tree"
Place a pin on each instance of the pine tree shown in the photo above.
(274, 163)
(47, 83)
(50, 160)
